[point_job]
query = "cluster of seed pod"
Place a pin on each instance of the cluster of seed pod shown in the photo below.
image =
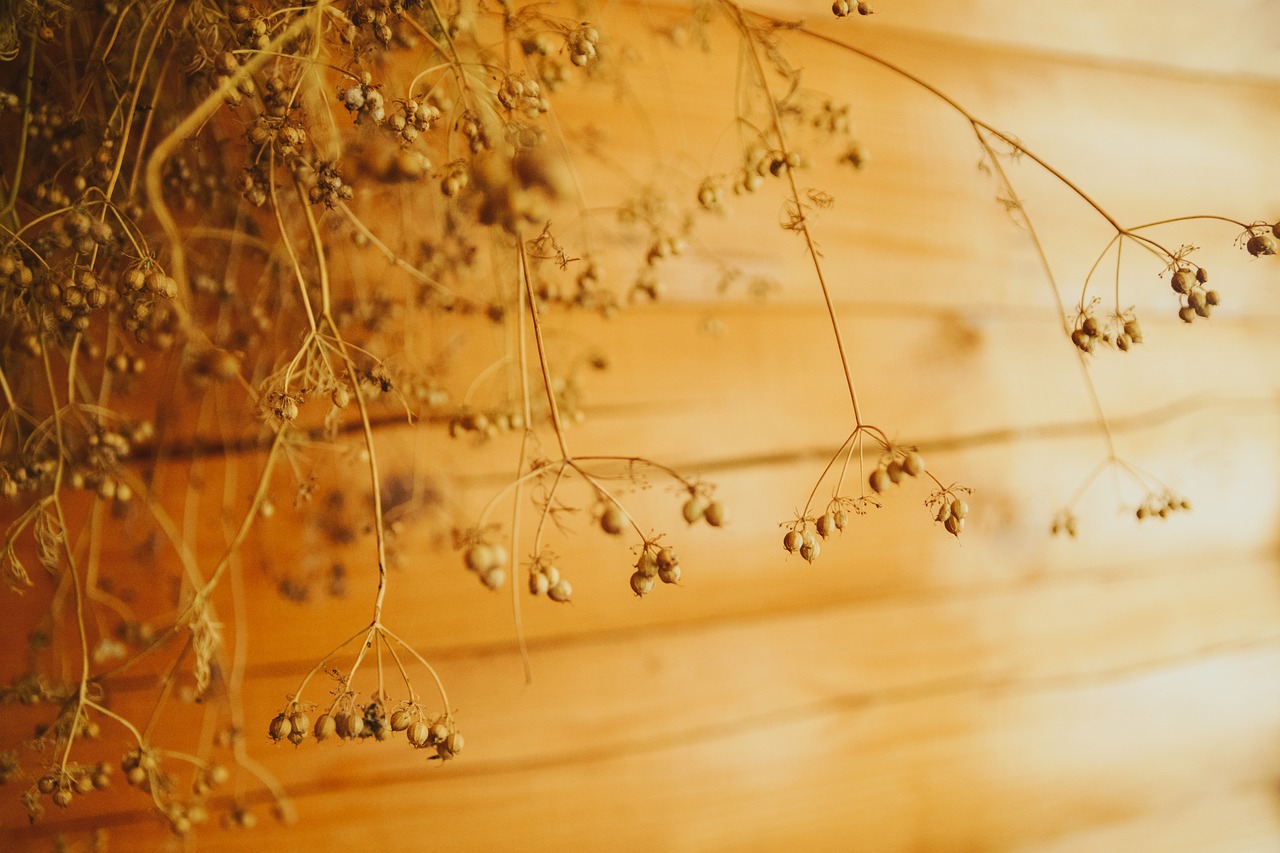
(806, 534)
(484, 424)
(899, 464)
(364, 100)
(251, 27)
(843, 8)
(583, 42)
(760, 161)
(520, 95)
(655, 562)
(412, 119)
(950, 510)
(1258, 242)
(324, 184)
(142, 770)
(546, 579)
(63, 784)
(1194, 299)
(436, 731)
(1122, 331)
(488, 560)
(699, 507)
(1161, 505)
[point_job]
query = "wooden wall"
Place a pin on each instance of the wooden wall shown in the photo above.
(908, 691)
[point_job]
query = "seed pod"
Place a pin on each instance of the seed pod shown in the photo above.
(613, 520)
(842, 519)
(326, 727)
(300, 726)
(667, 558)
(1202, 275)
(1083, 341)
(1261, 244)
(552, 573)
(792, 541)
(1211, 297)
(895, 472)
(647, 565)
(450, 746)
(959, 508)
(669, 574)
(494, 578)
(1182, 281)
(641, 584)
(84, 785)
(717, 514)
(1122, 342)
(826, 524)
(694, 508)
(561, 591)
(538, 584)
(479, 557)
(1186, 313)
(810, 550)
(1089, 327)
(419, 734)
(879, 480)
(135, 776)
(954, 525)
(913, 463)
(47, 784)
(279, 727)
(62, 797)
(401, 719)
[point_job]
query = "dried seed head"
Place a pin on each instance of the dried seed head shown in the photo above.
(810, 549)
(479, 557)
(419, 734)
(401, 719)
(717, 514)
(959, 508)
(954, 525)
(879, 480)
(694, 508)
(299, 727)
(1182, 280)
(1186, 313)
(895, 472)
(668, 574)
(641, 584)
(913, 463)
(826, 524)
(842, 519)
(792, 541)
(647, 565)
(667, 558)
(325, 728)
(1211, 297)
(613, 520)
(279, 727)
(1261, 244)
(538, 583)
(561, 591)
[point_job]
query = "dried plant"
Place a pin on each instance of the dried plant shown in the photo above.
(223, 225)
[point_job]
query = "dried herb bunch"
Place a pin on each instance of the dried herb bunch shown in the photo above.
(242, 225)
